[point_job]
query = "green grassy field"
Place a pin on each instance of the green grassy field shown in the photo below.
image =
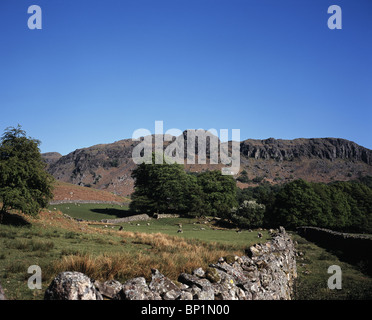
(312, 272)
(195, 229)
(192, 228)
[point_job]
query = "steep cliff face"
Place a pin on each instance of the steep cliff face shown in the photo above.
(320, 148)
(109, 166)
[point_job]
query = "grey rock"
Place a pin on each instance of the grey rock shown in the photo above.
(205, 291)
(171, 295)
(199, 272)
(185, 295)
(162, 285)
(72, 286)
(109, 288)
(234, 270)
(136, 289)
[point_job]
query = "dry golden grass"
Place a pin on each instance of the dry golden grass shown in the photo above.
(125, 265)
(171, 255)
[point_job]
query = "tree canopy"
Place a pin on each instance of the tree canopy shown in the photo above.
(341, 205)
(167, 188)
(24, 183)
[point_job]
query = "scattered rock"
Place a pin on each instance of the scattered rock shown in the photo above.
(186, 296)
(136, 289)
(72, 286)
(163, 286)
(199, 272)
(109, 288)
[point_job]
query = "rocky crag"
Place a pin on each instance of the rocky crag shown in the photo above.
(109, 166)
(267, 272)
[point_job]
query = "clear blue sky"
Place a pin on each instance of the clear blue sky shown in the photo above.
(98, 70)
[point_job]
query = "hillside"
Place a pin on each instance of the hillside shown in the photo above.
(66, 191)
(109, 166)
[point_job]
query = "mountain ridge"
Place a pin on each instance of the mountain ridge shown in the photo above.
(109, 166)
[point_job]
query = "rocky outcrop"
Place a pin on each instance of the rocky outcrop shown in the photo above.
(267, 272)
(72, 286)
(321, 148)
(51, 157)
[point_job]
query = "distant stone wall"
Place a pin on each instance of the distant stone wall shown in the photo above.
(354, 248)
(267, 272)
(86, 201)
(139, 217)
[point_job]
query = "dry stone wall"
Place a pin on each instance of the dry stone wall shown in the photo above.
(86, 202)
(353, 248)
(266, 272)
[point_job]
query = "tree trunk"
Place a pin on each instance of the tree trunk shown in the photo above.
(2, 212)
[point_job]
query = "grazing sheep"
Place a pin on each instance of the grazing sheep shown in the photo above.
(120, 228)
(138, 224)
(179, 231)
(259, 235)
(148, 224)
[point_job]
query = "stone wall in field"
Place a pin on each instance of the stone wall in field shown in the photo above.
(353, 248)
(86, 202)
(139, 217)
(266, 272)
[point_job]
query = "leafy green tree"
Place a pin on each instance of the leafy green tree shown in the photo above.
(219, 193)
(24, 183)
(250, 214)
(297, 204)
(196, 204)
(357, 210)
(161, 188)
